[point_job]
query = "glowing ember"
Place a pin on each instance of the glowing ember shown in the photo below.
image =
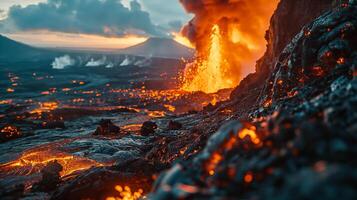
(248, 132)
(45, 107)
(170, 108)
(251, 133)
(248, 178)
(9, 131)
(125, 193)
(132, 127)
(156, 114)
(10, 90)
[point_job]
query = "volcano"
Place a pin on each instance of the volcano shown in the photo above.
(159, 47)
(286, 132)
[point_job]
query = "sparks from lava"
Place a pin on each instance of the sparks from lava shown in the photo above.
(125, 193)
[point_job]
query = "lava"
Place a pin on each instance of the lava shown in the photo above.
(33, 161)
(209, 75)
(45, 107)
(228, 37)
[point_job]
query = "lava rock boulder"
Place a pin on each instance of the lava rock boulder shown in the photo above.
(174, 125)
(106, 127)
(148, 128)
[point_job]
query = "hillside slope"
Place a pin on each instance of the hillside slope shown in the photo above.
(159, 47)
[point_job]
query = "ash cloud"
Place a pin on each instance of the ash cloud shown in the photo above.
(251, 15)
(102, 17)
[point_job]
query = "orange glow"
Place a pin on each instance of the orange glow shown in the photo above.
(2, 102)
(171, 108)
(132, 127)
(10, 90)
(228, 144)
(251, 133)
(229, 38)
(33, 161)
(248, 178)
(214, 101)
(209, 75)
(125, 193)
(341, 61)
(182, 40)
(45, 107)
(10, 131)
(156, 114)
(45, 38)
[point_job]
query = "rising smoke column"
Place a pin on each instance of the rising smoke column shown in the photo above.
(242, 25)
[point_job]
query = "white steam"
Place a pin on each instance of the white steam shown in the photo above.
(140, 62)
(96, 63)
(62, 62)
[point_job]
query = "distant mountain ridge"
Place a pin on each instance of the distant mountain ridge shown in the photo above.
(159, 47)
(11, 50)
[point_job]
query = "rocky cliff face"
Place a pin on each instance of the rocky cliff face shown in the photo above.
(300, 140)
(288, 19)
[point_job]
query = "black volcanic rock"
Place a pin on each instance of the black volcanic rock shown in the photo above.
(300, 143)
(174, 125)
(323, 51)
(50, 177)
(148, 128)
(288, 19)
(106, 127)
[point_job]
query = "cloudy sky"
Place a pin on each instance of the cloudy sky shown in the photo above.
(76, 23)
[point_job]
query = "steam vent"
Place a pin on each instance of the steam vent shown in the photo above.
(195, 99)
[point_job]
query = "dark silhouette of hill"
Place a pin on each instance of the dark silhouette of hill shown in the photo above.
(159, 47)
(11, 50)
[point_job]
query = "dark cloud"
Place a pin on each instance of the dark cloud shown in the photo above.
(104, 17)
(164, 12)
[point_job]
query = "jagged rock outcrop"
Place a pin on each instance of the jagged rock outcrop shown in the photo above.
(288, 19)
(322, 51)
(300, 143)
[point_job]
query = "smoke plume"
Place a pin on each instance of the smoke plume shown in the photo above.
(242, 24)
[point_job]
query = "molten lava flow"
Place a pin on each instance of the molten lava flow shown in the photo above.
(45, 107)
(125, 193)
(209, 75)
(33, 161)
(228, 37)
